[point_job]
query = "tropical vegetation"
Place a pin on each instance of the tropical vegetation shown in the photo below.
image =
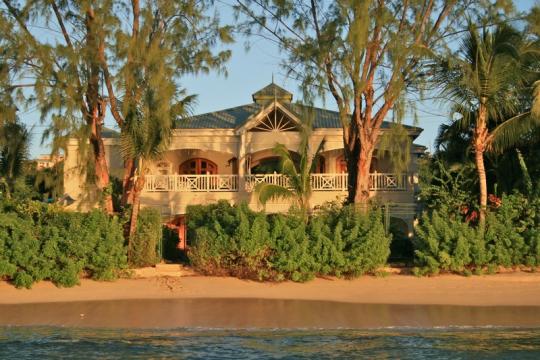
(234, 240)
(298, 172)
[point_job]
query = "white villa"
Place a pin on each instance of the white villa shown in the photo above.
(224, 154)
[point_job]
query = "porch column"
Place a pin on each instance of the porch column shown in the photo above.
(242, 162)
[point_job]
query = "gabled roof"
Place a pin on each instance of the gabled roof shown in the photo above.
(235, 117)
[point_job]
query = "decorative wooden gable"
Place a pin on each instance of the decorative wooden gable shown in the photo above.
(275, 120)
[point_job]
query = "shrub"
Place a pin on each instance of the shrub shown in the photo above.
(236, 241)
(228, 240)
(443, 242)
(446, 242)
(291, 255)
(145, 244)
(40, 242)
(348, 242)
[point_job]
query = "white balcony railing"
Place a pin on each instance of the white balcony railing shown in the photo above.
(223, 183)
(329, 182)
(191, 183)
(388, 182)
(275, 179)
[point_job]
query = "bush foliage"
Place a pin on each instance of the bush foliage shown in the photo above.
(39, 242)
(233, 240)
(145, 243)
(445, 241)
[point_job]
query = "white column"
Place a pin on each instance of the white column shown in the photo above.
(242, 162)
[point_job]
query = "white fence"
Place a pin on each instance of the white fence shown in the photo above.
(275, 179)
(191, 183)
(220, 183)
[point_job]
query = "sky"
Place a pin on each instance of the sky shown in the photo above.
(249, 71)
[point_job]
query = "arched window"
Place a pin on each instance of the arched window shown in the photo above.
(198, 166)
(275, 121)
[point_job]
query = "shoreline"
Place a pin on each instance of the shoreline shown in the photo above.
(511, 299)
(208, 314)
(509, 289)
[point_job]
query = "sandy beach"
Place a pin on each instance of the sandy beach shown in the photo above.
(511, 299)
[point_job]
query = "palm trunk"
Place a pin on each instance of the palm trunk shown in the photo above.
(128, 183)
(137, 189)
(480, 135)
(479, 157)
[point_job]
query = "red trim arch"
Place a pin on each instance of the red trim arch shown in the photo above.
(198, 166)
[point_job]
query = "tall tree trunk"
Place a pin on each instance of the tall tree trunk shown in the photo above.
(351, 157)
(127, 182)
(100, 165)
(137, 189)
(480, 136)
(96, 115)
(362, 181)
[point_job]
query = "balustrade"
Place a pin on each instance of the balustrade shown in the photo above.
(223, 183)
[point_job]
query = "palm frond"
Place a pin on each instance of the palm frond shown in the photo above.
(512, 131)
(267, 192)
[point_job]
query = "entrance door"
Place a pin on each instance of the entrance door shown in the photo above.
(198, 166)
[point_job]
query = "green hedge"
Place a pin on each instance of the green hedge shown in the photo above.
(233, 240)
(145, 244)
(39, 242)
(445, 242)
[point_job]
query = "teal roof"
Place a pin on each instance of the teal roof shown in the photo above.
(223, 119)
(235, 117)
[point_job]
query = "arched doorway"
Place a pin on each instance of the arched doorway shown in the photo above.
(341, 164)
(268, 165)
(198, 166)
(320, 168)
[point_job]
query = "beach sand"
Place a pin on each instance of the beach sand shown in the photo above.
(511, 299)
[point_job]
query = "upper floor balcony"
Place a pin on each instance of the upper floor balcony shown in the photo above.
(231, 183)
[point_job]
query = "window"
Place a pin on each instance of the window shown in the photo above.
(275, 121)
(321, 165)
(198, 166)
(341, 165)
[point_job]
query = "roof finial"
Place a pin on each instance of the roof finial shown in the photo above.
(272, 78)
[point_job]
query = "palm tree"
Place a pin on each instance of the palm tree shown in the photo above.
(146, 135)
(484, 81)
(14, 142)
(298, 173)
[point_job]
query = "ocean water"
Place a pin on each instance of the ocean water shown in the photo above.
(388, 343)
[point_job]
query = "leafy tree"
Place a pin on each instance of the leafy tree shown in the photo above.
(366, 54)
(484, 80)
(165, 41)
(298, 173)
(66, 71)
(123, 55)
